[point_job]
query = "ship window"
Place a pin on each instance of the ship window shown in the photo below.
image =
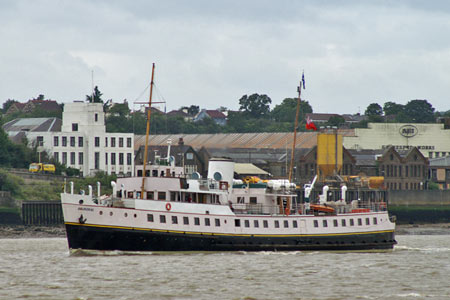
(162, 218)
(130, 195)
(237, 222)
(352, 222)
(286, 224)
(207, 222)
(197, 221)
(316, 223)
(150, 195)
(265, 224)
(173, 196)
(359, 222)
(343, 223)
(161, 195)
(186, 220)
(241, 200)
(174, 220)
(325, 223)
(150, 217)
(375, 221)
(253, 200)
(367, 221)
(277, 224)
(294, 224)
(217, 222)
(256, 223)
(246, 223)
(335, 223)
(154, 173)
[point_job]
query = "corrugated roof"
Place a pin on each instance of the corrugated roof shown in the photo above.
(33, 124)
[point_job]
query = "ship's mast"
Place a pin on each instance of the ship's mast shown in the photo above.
(299, 88)
(147, 132)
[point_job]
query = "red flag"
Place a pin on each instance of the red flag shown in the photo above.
(310, 124)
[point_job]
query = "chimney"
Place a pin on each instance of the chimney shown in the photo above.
(180, 141)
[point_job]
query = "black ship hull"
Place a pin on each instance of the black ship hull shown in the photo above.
(83, 236)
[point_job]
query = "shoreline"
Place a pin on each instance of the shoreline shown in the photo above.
(59, 231)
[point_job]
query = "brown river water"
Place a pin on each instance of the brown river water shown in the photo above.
(43, 268)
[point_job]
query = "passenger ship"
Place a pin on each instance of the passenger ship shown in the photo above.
(219, 213)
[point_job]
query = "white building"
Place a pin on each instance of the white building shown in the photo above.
(433, 140)
(83, 142)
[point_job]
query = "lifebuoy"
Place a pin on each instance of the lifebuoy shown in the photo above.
(168, 206)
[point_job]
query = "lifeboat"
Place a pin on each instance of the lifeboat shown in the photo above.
(322, 208)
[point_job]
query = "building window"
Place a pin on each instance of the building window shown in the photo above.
(186, 220)
(106, 141)
(189, 156)
(80, 158)
(150, 195)
(237, 222)
(97, 141)
(40, 141)
(129, 142)
(106, 158)
(121, 142)
(72, 141)
(246, 223)
(161, 195)
(277, 224)
(113, 142)
(217, 221)
(207, 222)
(96, 117)
(64, 158)
(253, 200)
(121, 159)
(74, 126)
(97, 160)
(80, 141)
(265, 224)
(56, 156)
(149, 217)
(129, 159)
(56, 141)
(174, 220)
(113, 158)
(197, 221)
(162, 219)
(64, 141)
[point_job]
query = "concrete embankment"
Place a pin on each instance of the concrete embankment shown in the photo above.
(411, 207)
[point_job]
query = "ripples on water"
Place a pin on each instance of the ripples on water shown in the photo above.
(418, 268)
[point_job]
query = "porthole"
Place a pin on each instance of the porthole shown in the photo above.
(100, 212)
(110, 213)
(135, 215)
(125, 214)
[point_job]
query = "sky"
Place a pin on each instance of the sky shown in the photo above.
(211, 53)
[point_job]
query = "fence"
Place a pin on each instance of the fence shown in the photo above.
(42, 213)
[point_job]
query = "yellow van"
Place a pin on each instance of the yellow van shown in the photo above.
(40, 167)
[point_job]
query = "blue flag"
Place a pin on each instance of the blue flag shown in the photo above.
(303, 80)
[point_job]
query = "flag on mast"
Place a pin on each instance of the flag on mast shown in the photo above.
(303, 80)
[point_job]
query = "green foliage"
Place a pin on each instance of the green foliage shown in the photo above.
(7, 104)
(374, 109)
(13, 155)
(102, 177)
(433, 185)
(336, 121)
(285, 112)
(419, 111)
(72, 172)
(392, 108)
(97, 96)
(255, 105)
(10, 183)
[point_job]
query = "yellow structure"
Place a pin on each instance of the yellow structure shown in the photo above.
(329, 154)
(40, 167)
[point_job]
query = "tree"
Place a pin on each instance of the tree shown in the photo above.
(192, 110)
(419, 111)
(97, 96)
(374, 109)
(336, 121)
(391, 108)
(255, 105)
(8, 104)
(285, 112)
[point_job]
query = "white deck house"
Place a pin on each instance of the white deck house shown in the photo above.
(83, 142)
